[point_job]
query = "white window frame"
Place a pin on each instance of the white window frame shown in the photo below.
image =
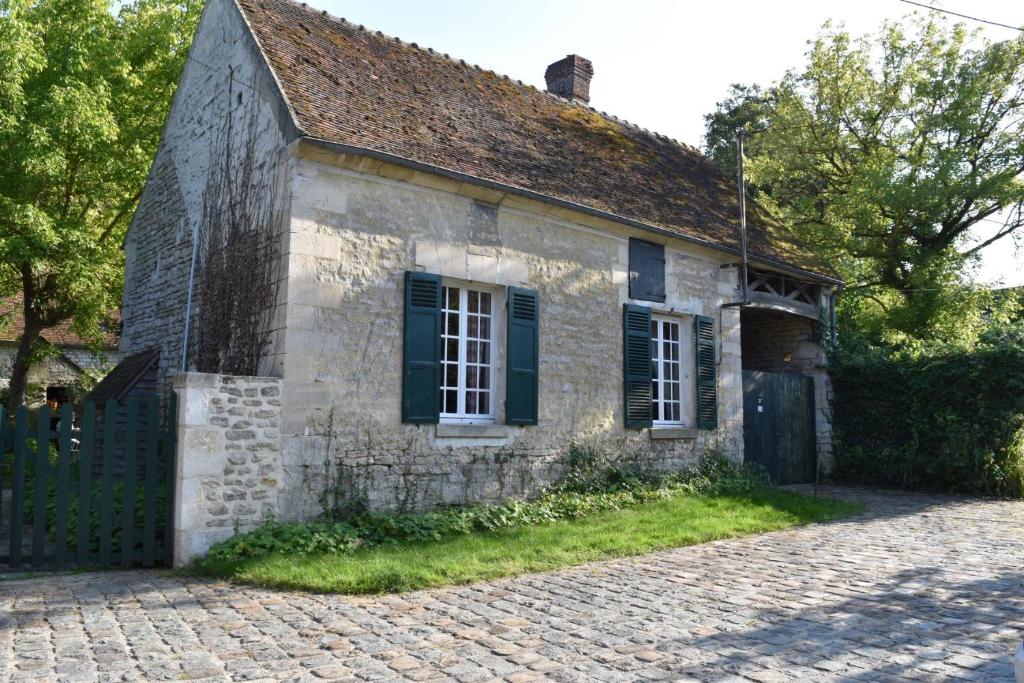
(658, 359)
(461, 417)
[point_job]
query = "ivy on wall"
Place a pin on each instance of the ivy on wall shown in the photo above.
(952, 423)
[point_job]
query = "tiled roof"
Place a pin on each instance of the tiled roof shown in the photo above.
(13, 324)
(357, 87)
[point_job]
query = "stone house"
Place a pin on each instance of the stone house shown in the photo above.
(470, 276)
(75, 361)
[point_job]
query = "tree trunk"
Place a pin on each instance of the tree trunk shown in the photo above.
(19, 373)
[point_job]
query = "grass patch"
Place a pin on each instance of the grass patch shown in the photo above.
(679, 520)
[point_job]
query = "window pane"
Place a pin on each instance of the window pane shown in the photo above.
(484, 404)
(471, 408)
(474, 301)
(453, 324)
(485, 303)
(473, 326)
(451, 375)
(485, 353)
(472, 352)
(451, 350)
(471, 375)
(485, 328)
(485, 378)
(451, 403)
(453, 297)
(675, 332)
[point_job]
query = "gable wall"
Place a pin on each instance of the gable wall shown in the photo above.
(224, 74)
(353, 235)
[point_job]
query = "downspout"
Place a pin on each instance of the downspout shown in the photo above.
(741, 183)
(188, 304)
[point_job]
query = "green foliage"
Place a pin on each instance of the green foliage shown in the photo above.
(952, 421)
(84, 91)
(591, 485)
(885, 154)
(116, 508)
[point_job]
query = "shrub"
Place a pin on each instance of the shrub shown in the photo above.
(590, 484)
(954, 422)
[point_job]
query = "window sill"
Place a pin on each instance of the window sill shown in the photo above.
(450, 430)
(674, 433)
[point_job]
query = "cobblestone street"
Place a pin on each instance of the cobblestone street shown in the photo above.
(919, 587)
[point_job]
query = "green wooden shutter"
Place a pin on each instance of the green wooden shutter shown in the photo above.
(523, 352)
(421, 376)
(636, 348)
(707, 372)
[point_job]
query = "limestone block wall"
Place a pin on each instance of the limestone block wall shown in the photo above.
(355, 229)
(225, 76)
(229, 470)
(774, 341)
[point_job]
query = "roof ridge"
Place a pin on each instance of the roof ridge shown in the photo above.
(527, 86)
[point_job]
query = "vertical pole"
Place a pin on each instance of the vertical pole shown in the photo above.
(131, 448)
(85, 453)
(21, 456)
(188, 303)
(42, 475)
(60, 548)
(106, 501)
(742, 183)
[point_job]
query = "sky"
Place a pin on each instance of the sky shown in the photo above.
(660, 64)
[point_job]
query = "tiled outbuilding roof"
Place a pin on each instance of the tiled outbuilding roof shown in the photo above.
(12, 324)
(359, 88)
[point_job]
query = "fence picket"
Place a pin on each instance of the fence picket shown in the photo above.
(131, 448)
(85, 450)
(60, 550)
(18, 485)
(3, 459)
(107, 495)
(149, 490)
(42, 475)
(170, 432)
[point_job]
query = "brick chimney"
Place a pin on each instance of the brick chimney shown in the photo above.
(570, 78)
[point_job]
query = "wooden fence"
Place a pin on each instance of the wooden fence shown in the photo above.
(94, 491)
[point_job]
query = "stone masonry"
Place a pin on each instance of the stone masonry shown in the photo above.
(158, 245)
(355, 230)
(229, 458)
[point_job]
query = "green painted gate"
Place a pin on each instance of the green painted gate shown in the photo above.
(95, 491)
(778, 425)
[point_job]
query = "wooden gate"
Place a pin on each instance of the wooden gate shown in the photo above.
(778, 425)
(93, 490)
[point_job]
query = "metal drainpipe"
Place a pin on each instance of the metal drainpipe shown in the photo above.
(188, 304)
(742, 184)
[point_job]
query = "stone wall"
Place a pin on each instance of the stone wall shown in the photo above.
(226, 75)
(61, 370)
(774, 341)
(229, 458)
(355, 229)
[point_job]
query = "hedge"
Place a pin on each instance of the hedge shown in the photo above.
(953, 423)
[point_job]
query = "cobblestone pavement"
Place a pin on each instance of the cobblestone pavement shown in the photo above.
(919, 587)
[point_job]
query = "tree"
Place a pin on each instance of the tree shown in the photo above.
(886, 154)
(83, 97)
